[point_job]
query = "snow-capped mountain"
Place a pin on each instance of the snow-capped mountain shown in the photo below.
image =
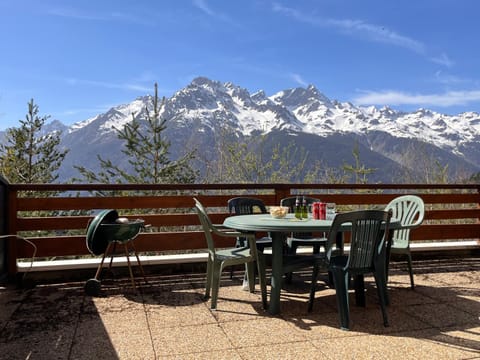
(327, 128)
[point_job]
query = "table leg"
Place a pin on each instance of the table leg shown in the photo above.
(359, 284)
(277, 273)
(388, 247)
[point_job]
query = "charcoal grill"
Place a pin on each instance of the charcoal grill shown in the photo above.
(104, 232)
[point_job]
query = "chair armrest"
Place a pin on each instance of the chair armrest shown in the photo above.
(410, 226)
(222, 227)
(229, 232)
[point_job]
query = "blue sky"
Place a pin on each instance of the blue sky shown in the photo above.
(79, 58)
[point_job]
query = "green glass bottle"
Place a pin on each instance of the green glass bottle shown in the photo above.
(298, 208)
(304, 208)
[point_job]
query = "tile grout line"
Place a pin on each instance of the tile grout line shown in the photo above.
(148, 324)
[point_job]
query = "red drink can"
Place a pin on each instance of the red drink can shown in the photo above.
(323, 211)
(316, 210)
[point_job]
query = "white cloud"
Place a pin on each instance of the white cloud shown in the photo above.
(448, 79)
(392, 97)
(376, 33)
(113, 16)
(298, 79)
(93, 110)
(123, 86)
(369, 32)
(203, 6)
(74, 14)
(443, 59)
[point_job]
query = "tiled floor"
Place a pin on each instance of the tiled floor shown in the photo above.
(168, 319)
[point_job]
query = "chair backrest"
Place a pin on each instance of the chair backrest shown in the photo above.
(367, 237)
(410, 210)
(290, 203)
(207, 225)
(246, 206)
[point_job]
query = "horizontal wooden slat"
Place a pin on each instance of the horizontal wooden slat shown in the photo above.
(453, 214)
(446, 232)
(187, 219)
(53, 223)
(53, 246)
(81, 222)
(144, 242)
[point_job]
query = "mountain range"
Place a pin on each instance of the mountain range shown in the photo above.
(388, 140)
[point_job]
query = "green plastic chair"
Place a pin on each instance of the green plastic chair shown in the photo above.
(367, 255)
(220, 258)
(301, 239)
(246, 206)
(410, 210)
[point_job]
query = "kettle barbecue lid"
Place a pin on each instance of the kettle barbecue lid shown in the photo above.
(96, 241)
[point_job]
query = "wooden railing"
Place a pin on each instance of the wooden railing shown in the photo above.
(452, 211)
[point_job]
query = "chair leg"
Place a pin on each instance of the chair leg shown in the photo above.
(250, 272)
(288, 278)
(208, 281)
(381, 267)
(313, 287)
(217, 272)
(381, 284)
(330, 280)
(239, 243)
(262, 279)
(246, 279)
(292, 250)
(409, 262)
(340, 279)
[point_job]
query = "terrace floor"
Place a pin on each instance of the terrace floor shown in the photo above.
(167, 319)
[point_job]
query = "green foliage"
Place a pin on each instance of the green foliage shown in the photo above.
(252, 160)
(252, 164)
(422, 167)
(28, 156)
(321, 173)
(475, 178)
(358, 171)
(147, 152)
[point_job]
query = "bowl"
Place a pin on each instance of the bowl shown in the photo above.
(278, 212)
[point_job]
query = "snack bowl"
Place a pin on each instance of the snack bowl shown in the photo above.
(278, 212)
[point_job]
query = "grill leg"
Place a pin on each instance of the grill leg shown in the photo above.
(129, 266)
(112, 254)
(138, 262)
(100, 266)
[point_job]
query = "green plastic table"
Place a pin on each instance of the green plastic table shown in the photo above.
(279, 228)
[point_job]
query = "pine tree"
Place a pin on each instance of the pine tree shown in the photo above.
(147, 151)
(359, 171)
(28, 155)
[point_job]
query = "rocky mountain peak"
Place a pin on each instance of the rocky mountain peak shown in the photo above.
(207, 106)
